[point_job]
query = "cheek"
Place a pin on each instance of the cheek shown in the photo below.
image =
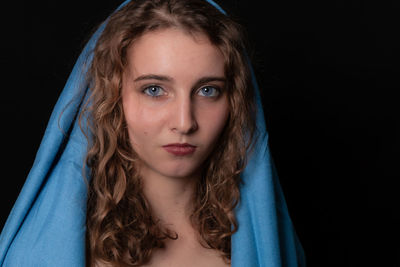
(214, 119)
(142, 122)
(138, 125)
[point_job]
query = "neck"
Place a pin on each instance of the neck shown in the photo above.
(171, 198)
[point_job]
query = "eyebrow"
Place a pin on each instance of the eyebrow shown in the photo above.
(200, 81)
(153, 77)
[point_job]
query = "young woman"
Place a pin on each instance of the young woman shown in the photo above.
(169, 116)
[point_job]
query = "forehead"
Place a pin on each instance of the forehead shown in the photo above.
(176, 53)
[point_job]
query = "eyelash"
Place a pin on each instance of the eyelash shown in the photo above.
(217, 89)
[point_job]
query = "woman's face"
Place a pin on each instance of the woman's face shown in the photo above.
(173, 93)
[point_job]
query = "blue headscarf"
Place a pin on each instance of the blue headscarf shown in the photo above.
(46, 226)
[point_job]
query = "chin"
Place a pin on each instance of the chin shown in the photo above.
(181, 172)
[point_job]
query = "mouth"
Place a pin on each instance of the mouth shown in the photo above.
(180, 149)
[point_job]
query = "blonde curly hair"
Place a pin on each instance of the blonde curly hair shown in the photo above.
(121, 230)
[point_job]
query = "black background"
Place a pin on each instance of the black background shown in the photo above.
(328, 73)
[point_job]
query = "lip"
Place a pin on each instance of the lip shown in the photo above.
(180, 149)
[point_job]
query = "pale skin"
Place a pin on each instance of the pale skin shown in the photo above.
(186, 72)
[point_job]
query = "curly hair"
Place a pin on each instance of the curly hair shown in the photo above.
(121, 229)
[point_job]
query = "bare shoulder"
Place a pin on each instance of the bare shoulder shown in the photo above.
(187, 255)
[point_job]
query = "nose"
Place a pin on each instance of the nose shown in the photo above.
(183, 117)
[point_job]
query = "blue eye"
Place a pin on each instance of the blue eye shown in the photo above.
(154, 91)
(209, 91)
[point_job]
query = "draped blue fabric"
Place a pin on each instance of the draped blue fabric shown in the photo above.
(46, 226)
